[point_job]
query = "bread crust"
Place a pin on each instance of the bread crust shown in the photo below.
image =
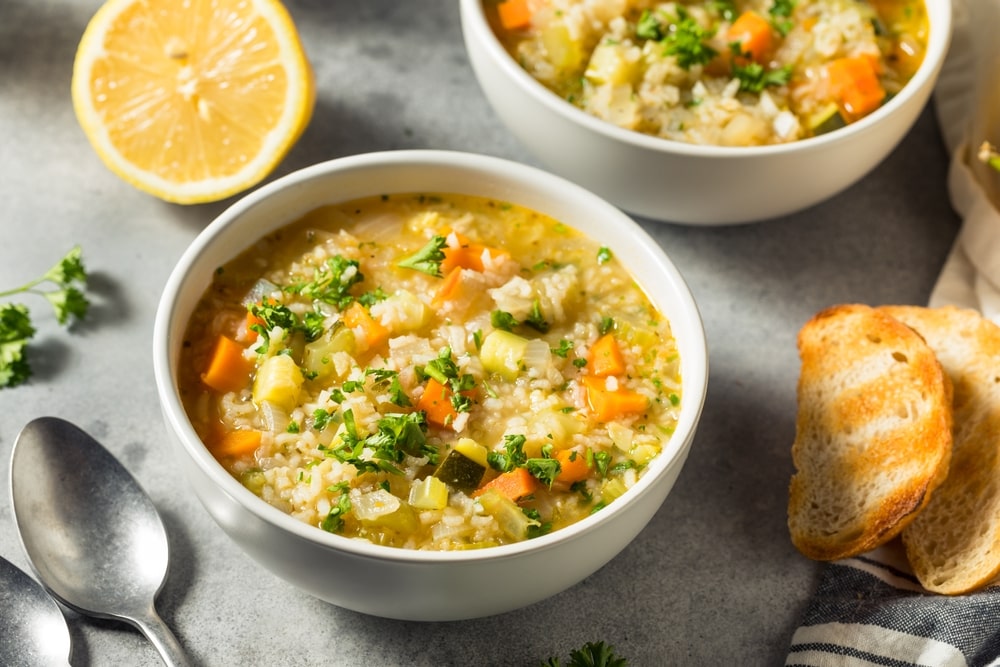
(873, 431)
(954, 544)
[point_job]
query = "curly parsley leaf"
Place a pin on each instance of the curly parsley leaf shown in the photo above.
(754, 78)
(592, 654)
(62, 286)
(686, 40)
(781, 15)
(331, 282)
(428, 259)
(512, 455)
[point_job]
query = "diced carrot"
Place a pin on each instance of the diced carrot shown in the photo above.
(514, 14)
(854, 83)
(237, 443)
(604, 357)
(514, 484)
(357, 317)
(436, 402)
(253, 321)
(468, 255)
(754, 34)
(449, 289)
(606, 404)
(228, 369)
(573, 466)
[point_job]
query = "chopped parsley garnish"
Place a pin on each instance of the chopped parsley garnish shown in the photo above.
(725, 8)
(565, 347)
(544, 469)
(501, 319)
(536, 527)
(535, 318)
(686, 41)
(331, 282)
(649, 27)
(334, 520)
(321, 418)
(604, 255)
(384, 377)
(62, 286)
(781, 15)
(396, 436)
(511, 457)
(427, 259)
(754, 78)
(606, 325)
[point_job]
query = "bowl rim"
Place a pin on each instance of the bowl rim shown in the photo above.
(694, 361)
(474, 19)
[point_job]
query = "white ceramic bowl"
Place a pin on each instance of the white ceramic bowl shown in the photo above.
(685, 183)
(399, 583)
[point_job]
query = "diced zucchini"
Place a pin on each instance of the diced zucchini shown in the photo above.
(464, 466)
(429, 493)
(317, 358)
(826, 120)
(503, 353)
(512, 521)
(279, 381)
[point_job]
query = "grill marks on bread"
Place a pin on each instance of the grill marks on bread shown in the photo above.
(873, 431)
(954, 544)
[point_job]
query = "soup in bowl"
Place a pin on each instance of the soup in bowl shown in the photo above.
(430, 372)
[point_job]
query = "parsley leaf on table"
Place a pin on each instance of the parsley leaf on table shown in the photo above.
(62, 286)
(592, 654)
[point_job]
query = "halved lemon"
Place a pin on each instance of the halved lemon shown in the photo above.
(192, 100)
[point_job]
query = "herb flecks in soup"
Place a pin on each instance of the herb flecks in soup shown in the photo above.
(431, 372)
(730, 73)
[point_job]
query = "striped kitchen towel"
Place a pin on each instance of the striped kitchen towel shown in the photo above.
(870, 611)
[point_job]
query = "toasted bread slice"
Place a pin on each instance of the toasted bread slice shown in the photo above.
(873, 432)
(954, 545)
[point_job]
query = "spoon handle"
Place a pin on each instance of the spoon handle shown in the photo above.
(160, 635)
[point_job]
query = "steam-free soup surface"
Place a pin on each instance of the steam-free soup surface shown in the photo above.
(431, 371)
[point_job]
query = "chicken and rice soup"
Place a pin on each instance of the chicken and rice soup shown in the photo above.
(431, 372)
(719, 72)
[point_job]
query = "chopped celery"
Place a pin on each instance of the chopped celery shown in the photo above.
(511, 519)
(317, 356)
(279, 381)
(253, 480)
(611, 489)
(502, 353)
(429, 493)
(381, 508)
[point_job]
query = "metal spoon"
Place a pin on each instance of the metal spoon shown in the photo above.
(33, 630)
(92, 535)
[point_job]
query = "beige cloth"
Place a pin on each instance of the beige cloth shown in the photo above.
(967, 100)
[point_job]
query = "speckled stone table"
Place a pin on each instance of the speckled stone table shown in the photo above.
(712, 580)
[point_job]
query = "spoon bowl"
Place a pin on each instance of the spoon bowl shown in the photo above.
(32, 625)
(91, 534)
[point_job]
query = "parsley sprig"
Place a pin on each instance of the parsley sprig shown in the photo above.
(62, 286)
(428, 259)
(592, 654)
